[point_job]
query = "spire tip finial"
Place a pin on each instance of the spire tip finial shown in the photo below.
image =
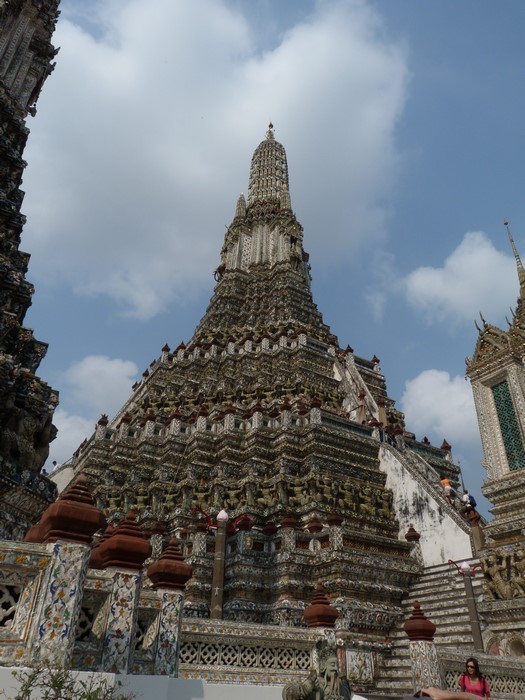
(270, 133)
(519, 264)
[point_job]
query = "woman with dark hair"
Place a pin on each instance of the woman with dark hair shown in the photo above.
(473, 681)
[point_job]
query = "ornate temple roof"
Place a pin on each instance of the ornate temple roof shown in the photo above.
(496, 347)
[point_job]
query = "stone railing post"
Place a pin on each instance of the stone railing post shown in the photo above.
(426, 671)
(467, 572)
(169, 575)
(121, 621)
(56, 619)
(123, 552)
(219, 560)
(67, 528)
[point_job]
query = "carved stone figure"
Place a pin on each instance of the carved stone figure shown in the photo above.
(365, 501)
(517, 578)
(328, 684)
(497, 586)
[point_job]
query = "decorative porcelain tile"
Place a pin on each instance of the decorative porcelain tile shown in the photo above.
(168, 641)
(120, 627)
(60, 601)
(425, 665)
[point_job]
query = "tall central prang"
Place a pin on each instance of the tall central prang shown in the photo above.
(262, 414)
(264, 275)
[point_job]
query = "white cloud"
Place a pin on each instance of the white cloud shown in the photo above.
(384, 283)
(71, 432)
(475, 277)
(100, 383)
(96, 384)
(440, 406)
(144, 135)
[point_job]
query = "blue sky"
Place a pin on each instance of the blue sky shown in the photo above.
(403, 125)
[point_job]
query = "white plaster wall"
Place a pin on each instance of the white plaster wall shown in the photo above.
(62, 477)
(165, 688)
(441, 537)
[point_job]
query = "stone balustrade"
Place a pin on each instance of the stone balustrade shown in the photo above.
(54, 608)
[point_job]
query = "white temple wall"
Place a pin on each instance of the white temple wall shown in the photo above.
(441, 537)
(62, 476)
(165, 688)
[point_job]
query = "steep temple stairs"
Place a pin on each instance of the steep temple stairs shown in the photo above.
(441, 594)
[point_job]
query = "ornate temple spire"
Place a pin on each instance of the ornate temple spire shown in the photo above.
(269, 171)
(263, 277)
(519, 264)
(240, 210)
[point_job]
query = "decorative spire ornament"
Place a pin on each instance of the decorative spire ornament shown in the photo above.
(519, 264)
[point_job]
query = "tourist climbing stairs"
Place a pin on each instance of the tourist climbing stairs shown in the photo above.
(441, 595)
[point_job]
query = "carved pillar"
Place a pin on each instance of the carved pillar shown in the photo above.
(124, 552)
(468, 572)
(169, 576)
(67, 527)
(426, 671)
(59, 607)
(217, 586)
(119, 635)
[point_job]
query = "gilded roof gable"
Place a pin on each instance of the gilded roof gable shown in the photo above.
(493, 343)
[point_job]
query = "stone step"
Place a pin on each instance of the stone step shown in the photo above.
(399, 682)
(441, 594)
(452, 642)
(398, 691)
(396, 673)
(443, 632)
(440, 589)
(399, 656)
(441, 605)
(434, 582)
(451, 635)
(447, 570)
(456, 625)
(441, 617)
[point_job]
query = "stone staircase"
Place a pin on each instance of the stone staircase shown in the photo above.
(441, 594)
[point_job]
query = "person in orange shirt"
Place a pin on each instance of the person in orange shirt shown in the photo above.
(447, 490)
